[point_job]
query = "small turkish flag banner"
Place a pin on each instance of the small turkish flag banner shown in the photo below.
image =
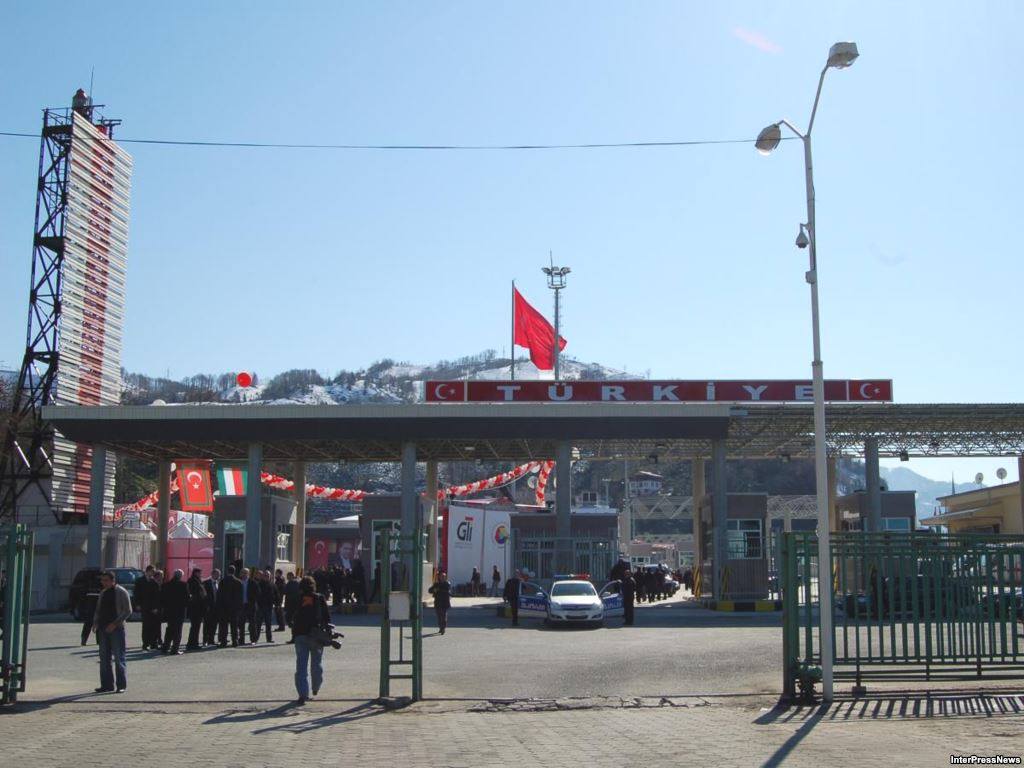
(533, 331)
(194, 486)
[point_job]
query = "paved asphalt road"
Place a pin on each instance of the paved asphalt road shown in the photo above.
(674, 649)
(490, 701)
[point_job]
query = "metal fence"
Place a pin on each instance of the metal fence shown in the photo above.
(908, 606)
(15, 588)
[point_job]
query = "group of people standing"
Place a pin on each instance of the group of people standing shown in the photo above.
(250, 602)
(342, 584)
(215, 607)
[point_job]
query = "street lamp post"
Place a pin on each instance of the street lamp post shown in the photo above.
(556, 282)
(840, 56)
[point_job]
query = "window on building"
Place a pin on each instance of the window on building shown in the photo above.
(745, 539)
(895, 523)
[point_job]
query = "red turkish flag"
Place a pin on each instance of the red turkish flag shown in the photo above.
(533, 331)
(194, 486)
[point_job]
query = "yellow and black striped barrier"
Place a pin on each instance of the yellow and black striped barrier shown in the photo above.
(743, 605)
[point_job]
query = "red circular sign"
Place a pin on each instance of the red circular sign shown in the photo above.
(244, 379)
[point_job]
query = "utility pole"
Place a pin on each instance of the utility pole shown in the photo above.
(556, 282)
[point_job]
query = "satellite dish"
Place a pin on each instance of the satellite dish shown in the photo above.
(536, 469)
(531, 481)
(1001, 473)
(978, 478)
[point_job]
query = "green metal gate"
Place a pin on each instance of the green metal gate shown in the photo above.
(15, 594)
(539, 555)
(908, 606)
(398, 581)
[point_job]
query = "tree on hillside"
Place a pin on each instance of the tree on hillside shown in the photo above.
(285, 384)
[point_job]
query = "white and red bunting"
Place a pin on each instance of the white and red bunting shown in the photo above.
(730, 391)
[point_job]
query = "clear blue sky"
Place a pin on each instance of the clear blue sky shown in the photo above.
(683, 259)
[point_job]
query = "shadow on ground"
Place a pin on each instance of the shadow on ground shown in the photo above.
(892, 705)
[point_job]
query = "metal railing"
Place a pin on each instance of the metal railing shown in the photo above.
(15, 588)
(908, 606)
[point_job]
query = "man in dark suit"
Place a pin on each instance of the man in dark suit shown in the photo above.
(196, 609)
(229, 608)
(512, 587)
(292, 591)
(359, 581)
(174, 603)
(211, 587)
(264, 596)
(628, 597)
(147, 597)
(247, 615)
(279, 585)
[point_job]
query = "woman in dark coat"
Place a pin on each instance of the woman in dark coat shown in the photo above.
(442, 592)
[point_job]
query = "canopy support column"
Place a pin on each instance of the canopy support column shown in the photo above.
(97, 484)
(720, 516)
(873, 480)
(163, 513)
(253, 507)
(299, 530)
(563, 507)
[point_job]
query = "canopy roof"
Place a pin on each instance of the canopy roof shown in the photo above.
(521, 431)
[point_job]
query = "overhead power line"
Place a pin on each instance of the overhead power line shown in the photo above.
(420, 147)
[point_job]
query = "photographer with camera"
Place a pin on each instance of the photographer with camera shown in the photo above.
(310, 625)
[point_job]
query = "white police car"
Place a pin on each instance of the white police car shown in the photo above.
(571, 601)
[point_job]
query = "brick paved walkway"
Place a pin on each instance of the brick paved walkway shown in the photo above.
(108, 730)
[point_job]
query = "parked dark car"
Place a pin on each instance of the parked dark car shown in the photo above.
(87, 581)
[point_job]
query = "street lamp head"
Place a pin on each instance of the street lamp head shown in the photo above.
(768, 139)
(842, 55)
(802, 241)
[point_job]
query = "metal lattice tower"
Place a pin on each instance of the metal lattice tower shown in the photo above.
(26, 459)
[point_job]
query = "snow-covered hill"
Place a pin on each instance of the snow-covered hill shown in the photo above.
(384, 382)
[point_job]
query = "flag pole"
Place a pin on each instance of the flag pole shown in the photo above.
(512, 349)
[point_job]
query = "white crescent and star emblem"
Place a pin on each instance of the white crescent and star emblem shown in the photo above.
(444, 391)
(194, 479)
(868, 395)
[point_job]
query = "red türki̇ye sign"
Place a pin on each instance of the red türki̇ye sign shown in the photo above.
(742, 391)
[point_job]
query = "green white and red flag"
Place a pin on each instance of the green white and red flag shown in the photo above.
(232, 480)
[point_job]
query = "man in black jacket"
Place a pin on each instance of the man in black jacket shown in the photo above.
(229, 608)
(196, 609)
(279, 599)
(247, 616)
(174, 603)
(263, 597)
(628, 597)
(147, 597)
(359, 581)
(292, 590)
(512, 587)
(211, 588)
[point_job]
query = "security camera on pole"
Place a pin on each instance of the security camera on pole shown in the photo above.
(840, 56)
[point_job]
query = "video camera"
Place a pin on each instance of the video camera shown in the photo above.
(335, 636)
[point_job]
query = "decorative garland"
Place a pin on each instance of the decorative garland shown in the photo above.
(313, 491)
(491, 482)
(542, 482)
(542, 468)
